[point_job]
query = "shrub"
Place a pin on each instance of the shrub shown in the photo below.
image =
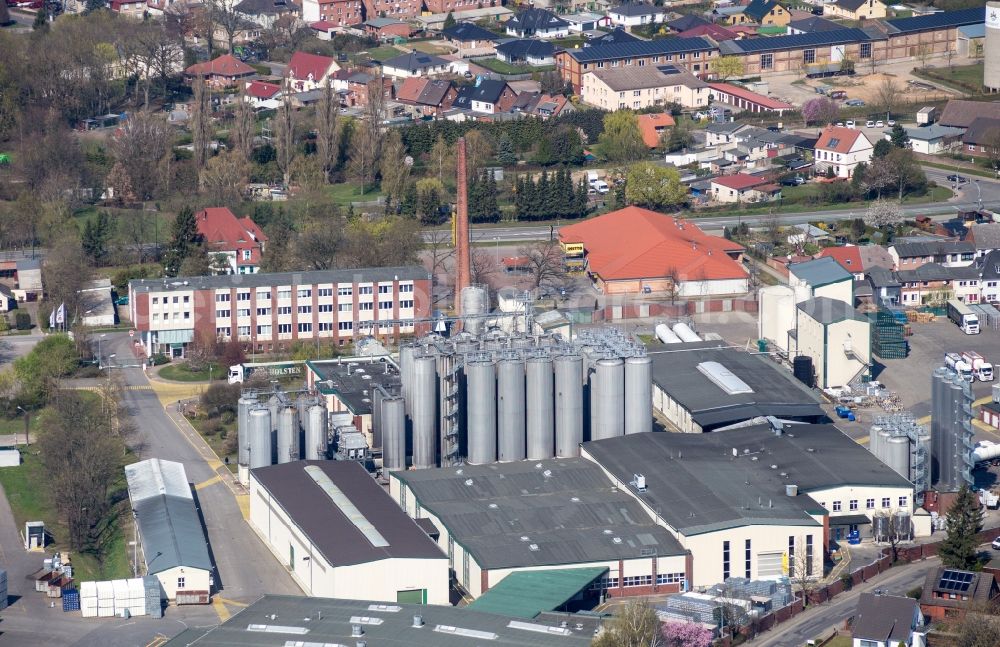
(915, 593)
(228, 417)
(22, 321)
(160, 359)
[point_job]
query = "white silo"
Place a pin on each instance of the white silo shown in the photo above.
(991, 53)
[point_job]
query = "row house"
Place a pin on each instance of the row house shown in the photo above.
(933, 283)
(799, 52)
(268, 312)
(635, 88)
(947, 253)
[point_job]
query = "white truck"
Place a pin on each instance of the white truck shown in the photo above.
(963, 317)
(596, 183)
(955, 362)
(274, 370)
(989, 499)
(980, 367)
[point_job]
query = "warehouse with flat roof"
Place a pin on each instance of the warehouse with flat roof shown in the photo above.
(709, 385)
(501, 519)
(341, 536)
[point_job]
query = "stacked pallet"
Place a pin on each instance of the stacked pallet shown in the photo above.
(105, 599)
(888, 336)
(113, 598)
(88, 599)
(154, 599)
(3, 589)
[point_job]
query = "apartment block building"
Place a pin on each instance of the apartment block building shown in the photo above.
(267, 312)
(691, 54)
(635, 87)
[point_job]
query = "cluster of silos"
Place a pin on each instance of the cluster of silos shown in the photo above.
(500, 397)
(899, 442)
(273, 427)
(951, 431)
(474, 306)
(680, 332)
(893, 525)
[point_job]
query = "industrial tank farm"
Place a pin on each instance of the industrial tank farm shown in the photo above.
(275, 427)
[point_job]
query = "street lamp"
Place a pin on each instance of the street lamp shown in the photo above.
(979, 195)
(27, 422)
(496, 239)
(99, 356)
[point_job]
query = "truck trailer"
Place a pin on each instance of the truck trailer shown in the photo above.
(963, 317)
(275, 370)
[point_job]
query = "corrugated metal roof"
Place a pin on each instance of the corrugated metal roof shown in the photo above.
(154, 477)
(795, 41)
(641, 48)
(819, 272)
(171, 534)
(938, 20)
(525, 594)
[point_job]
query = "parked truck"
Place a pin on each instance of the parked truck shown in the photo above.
(989, 499)
(274, 370)
(963, 317)
(955, 362)
(982, 369)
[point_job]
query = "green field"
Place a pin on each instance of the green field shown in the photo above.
(180, 372)
(16, 425)
(428, 47)
(795, 199)
(966, 78)
(384, 53)
(502, 67)
(344, 194)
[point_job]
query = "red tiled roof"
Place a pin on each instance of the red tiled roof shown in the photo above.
(322, 25)
(411, 88)
(839, 139)
(303, 65)
(262, 90)
(226, 65)
(637, 243)
(222, 231)
(648, 125)
(714, 31)
(752, 97)
(848, 256)
(740, 181)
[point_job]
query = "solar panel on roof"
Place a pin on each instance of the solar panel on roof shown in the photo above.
(641, 48)
(793, 41)
(958, 18)
(668, 69)
(955, 581)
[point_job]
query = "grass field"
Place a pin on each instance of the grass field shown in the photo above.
(344, 194)
(384, 53)
(966, 78)
(180, 372)
(502, 67)
(840, 641)
(795, 199)
(429, 47)
(16, 425)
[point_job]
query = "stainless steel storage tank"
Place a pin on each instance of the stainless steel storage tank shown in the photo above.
(873, 440)
(569, 405)
(423, 411)
(685, 333)
(610, 397)
(474, 304)
(481, 408)
(883, 445)
(638, 395)
(288, 435)
(540, 407)
(393, 434)
(243, 429)
(897, 453)
(316, 433)
(259, 438)
(406, 372)
(510, 410)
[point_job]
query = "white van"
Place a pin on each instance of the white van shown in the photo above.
(600, 186)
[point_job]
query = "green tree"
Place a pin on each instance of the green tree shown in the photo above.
(449, 21)
(679, 137)
(621, 140)
(184, 238)
(960, 547)
(41, 22)
(633, 625)
(38, 372)
(881, 149)
(97, 232)
(898, 137)
(727, 67)
(654, 187)
(566, 146)
(505, 151)
(429, 192)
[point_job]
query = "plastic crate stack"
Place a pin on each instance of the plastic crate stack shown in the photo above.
(692, 607)
(889, 336)
(3, 589)
(154, 601)
(71, 600)
(113, 598)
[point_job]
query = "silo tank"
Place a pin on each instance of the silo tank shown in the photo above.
(898, 455)
(540, 408)
(991, 48)
(665, 335)
(510, 411)
(377, 395)
(393, 434)
(873, 439)
(569, 405)
(610, 399)
(316, 433)
(259, 438)
(406, 372)
(883, 445)
(685, 333)
(481, 405)
(243, 429)
(423, 411)
(288, 435)
(638, 395)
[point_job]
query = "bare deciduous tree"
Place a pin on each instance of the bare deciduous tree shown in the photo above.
(887, 95)
(327, 132)
(225, 17)
(284, 138)
(139, 145)
(366, 139)
(224, 178)
(482, 267)
(241, 135)
(546, 263)
(440, 252)
(801, 567)
(201, 121)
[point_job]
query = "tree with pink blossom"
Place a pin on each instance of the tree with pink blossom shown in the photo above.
(686, 634)
(820, 110)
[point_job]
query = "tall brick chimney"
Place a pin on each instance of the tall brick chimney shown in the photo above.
(464, 274)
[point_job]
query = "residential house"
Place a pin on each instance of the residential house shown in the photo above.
(539, 23)
(8, 301)
(990, 277)
(693, 54)
(264, 13)
(489, 96)
(887, 621)
(742, 99)
(131, 8)
(764, 13)
(239, 240)
(587, 22)
(444, 7)
(932, 139)
(741, 187)
(720, 133)
(309, 71)
(935, 284)
(643, 87)
(400, 9)
(841, 149)
(985, 236)
(960, 113)
(873, 256)
(886, 288)
(263, 95)
(686, 22)
(324, 29)
(541, 105)
(653, 125)
(948, 253)
(855, 9)
(633, 14)
(849, 257)
(223, 71)
(812, 25)
(949, 593)
(717, 33)
(616, 36)
(469, 39)
(982, 138)
(355, 87)
(414, 64)
(428, 97)
(526, 51)
(806, 233)
(387, 29)
(338, 13)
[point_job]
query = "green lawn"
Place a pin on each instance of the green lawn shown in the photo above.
(502, 67)
(840, 641)
(179, 372)
(344, 194)
(150, 226)
(384, 53)
(16, 425)
(428, 47)
(794, 200)
(966, 78)
(961, 170)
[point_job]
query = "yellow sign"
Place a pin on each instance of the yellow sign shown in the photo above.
(572, 249)
(784, 563)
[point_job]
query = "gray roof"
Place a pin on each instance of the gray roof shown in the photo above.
(938, 20)
(414, 61)
(636, 49)
(829, 311)
(685, 22)
(263, 7)
(794, 41)
(932, 248)
(699, 486)
(524, 47)
(261, 279)
(934, 131)
(961, 112)
(378, 23)
(616, 35)
(352, 382)
(154, 477)
(985, 235)
(850, 5)
(468, 31)
(820, 272)
(775, 393)
(28, 264)
(533, 509)
(534, 20)
(983, 131)
(814, 24)
(936, 272)
(329, 623)
(881, 277)
(329, 529)
(875, 256)
(884, 618)
(991, 266)
(725, 127)
(636, 9)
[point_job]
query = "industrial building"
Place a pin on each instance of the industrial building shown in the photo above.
(836, 337)
(635, 250)
(332, 622)
(340, 536)
(704, 386)
(172, 539)
(745, 502)
(506, 518)
(823, 277)
(267, 312)
(951, 431)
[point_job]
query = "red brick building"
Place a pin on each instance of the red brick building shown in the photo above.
(948, 593)
(268, 312)
(401, 9)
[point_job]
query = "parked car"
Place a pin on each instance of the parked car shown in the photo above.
(855, 102)
(996, 544)
(849, 123)
(880, 124)
(869, 124)
(838, 94)
(957, 179)
(840, 123)
(890, 123)
(795, 180)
